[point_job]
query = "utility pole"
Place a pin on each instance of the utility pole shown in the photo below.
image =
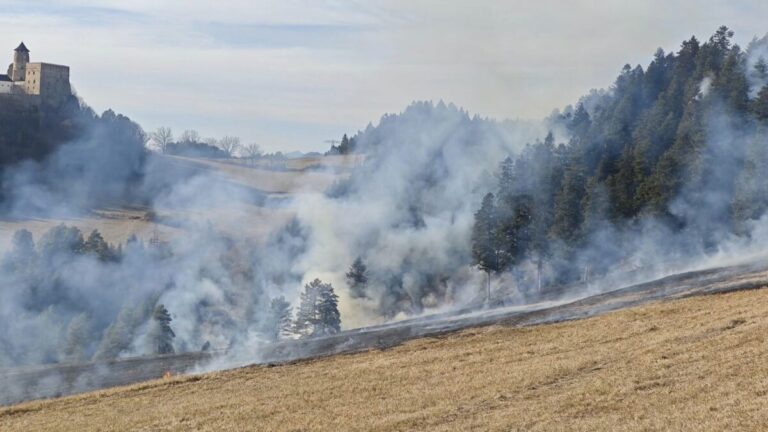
(539, 264)
(155, 239)
(488, 298)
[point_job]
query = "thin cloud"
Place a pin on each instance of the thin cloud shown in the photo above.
(335, 66)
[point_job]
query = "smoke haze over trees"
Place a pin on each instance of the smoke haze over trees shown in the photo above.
(318, 313)
(672, 149)
(668, 164)
(160, 335)
(46, 153)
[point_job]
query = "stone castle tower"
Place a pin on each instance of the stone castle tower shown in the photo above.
(20, 60)
(35, 83)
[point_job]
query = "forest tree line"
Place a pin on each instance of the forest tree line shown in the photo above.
(692, 124)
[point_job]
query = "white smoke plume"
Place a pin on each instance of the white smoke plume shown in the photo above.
(407, 211)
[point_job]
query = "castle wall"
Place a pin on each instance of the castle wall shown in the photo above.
(35, 84)
(49, 81)
(31, 84)
(17, 100)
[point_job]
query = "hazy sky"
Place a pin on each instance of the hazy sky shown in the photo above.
(289, 74)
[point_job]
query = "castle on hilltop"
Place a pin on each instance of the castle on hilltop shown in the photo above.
(35, 83)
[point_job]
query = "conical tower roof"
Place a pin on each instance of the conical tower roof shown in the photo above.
(21, 48)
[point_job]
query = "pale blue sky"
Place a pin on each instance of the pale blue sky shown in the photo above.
(289, 74)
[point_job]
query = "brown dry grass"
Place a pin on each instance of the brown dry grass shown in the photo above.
(114, 225)
(267, 180)
(117, 224)
(694, 364)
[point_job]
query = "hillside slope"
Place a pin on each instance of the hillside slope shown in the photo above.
(118, 222)
(689, 364)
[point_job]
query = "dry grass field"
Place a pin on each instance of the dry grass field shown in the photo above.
(117, 224)
(268, 180)
(693, 364)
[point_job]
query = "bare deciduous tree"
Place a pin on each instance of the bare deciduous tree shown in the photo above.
(162, 137)
(252, 152)
(190, 136)
(229, 144)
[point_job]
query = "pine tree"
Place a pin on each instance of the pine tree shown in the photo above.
(760, 104)
(318, 312)
(761, 69)
(118, 336)
(328, 312)
(484, 252)
(722, 39)
(306, 315)
(506, 177)
(357, 279)
(568, 212)
(76, 339)
(581, 122)
(279, 322)
(731, 81)
(60, 240)
(596, 205)
(160, 335)
(96, 245)
(514, 236)
(344, 146)
(622, 187)
(483, 236)
(22, 255)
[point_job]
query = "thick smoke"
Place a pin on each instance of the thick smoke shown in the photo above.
(757, 60)
(101, 166)
(407, 211)
(54, 293)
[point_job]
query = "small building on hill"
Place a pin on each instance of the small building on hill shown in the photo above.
(36, 83)
(6, 85)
